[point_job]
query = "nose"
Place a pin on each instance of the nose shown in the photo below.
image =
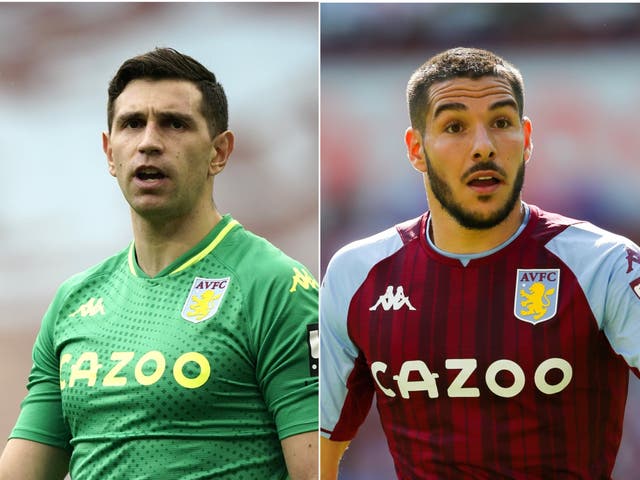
(150, 142)
(483, 146)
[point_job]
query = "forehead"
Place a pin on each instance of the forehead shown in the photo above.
(472, 93)
(142, 95)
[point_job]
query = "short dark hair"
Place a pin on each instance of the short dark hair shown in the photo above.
(458, 62)
(167, 63)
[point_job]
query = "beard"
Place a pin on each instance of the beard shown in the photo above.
(466, 218)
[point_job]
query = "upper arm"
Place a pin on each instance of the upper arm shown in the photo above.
(621, 323)
(29, 460)
(330, 454)
(285, 331)
(346, 384)
(41, 417)
(301, 455)
(607, 268)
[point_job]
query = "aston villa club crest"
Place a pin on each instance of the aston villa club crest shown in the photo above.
(204, 298)
(536, 298)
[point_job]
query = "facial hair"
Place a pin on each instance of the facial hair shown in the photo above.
(464, 217)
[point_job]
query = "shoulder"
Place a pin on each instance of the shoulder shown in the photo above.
(579, 237)
(349, 268)
(586, 248)
(255, 259)
(86, 277)
(81, 286)
(358, 257)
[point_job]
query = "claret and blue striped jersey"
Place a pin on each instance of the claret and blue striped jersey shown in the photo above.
(512, 363)
(196, 373)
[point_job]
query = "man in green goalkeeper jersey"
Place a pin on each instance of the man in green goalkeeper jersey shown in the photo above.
(191, 354)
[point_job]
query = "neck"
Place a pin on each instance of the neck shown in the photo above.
(450, 236)
(160, 241)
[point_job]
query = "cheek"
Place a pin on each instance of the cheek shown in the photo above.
(516, 151)
(116, 152)
(118, 164)
(447, 157)
(193, 164)
(513, 141)
(449, 147)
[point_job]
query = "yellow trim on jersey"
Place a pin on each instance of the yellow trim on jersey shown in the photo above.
(207, 250)
(196, 258)
(132, 269)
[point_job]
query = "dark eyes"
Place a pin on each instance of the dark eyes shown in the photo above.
(502, 123)
(458, 127)
(139, 123)
(132, 123)
(453, 127)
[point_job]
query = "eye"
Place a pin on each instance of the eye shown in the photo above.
(502, 123)
(174, 123)
(453, 127)
(133, 123)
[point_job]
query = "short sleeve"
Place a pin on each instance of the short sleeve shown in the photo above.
(41, 418)
(343, 370)
(607, 267)
(285, 318)
(621, 323)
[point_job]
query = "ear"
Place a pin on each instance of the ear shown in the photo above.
(528, 141)
(222, 148)
(415, 152)
(106, 148)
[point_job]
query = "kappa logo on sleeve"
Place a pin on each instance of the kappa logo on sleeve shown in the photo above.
(303, 279)
(204, 298)
(632, 257)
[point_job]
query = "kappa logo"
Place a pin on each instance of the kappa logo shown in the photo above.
(632, 257)
(95, 306)
(303, 279)
(389, 300)
(536, 298)
(204, 298)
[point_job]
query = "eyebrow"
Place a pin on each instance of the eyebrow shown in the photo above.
(162, 116)
(459, 107)
(509, 102)
(125, 117)
(455, 106)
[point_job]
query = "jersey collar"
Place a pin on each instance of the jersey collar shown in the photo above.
(193, 256)
(466, 258)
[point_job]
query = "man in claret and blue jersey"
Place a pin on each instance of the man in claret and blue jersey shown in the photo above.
(496, 337)
(191, 354)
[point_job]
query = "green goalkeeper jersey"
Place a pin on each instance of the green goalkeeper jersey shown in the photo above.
(196, 373)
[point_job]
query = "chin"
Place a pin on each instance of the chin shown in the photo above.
(151, 210)
(483, 220)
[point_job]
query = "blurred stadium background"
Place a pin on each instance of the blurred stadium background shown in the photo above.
(61, 212)
(580, 65)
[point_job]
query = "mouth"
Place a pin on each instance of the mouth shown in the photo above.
(485, 182)
(149, 173)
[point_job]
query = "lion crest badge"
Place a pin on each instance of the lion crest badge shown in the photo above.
(536, 298)
(204, 298)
